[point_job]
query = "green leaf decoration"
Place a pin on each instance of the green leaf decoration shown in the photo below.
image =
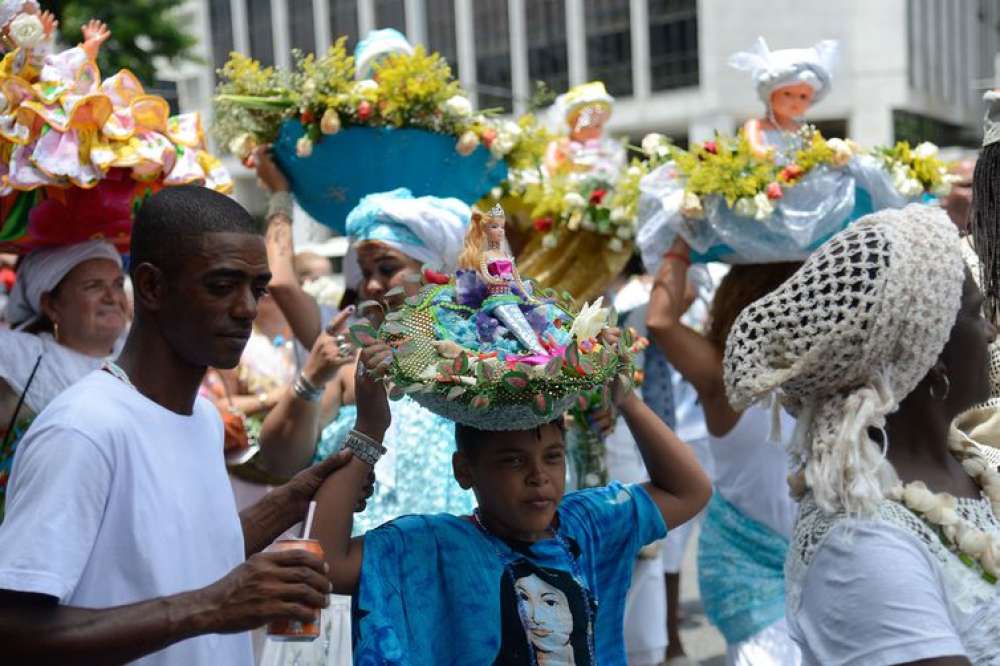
(461, 364)
(396, 393)
(363, 335)
(515, 381)
(414, 301)
(554, 367)
(393, 328)
(445, 368)
(481, 402)
(455, 392)
(395, 315)
(541, 404)
(572, 355)
(365, 306)
(582, 402)
(612, 318)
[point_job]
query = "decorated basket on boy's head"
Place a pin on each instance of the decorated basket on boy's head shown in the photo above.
(481, 348)
(779, 189)
(78, 154)
(340, 131)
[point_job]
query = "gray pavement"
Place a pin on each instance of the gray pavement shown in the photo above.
(701, 640)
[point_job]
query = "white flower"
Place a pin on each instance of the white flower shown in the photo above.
(918, 497)
(619, 215)
(625, 232)
(330, 122)
(242, 145)
(27, 30)
(942, 189)
(365, 86)
(590, 322)
(764, 206)
(574, 200)
(304, 147)
(895, 493)
(990, 559)
(974, 466)
(459, 105)
(911, 188)
(616, 245)
(511, 129)
(925, 150)
(634, 171)
(467, 143)
(653, 143)
(945, 512)
(842, 151)
(550, 241)
(972, 541)
(691, 206)
(309, 87)
(501, 146)
(745, 207)
(496, 193)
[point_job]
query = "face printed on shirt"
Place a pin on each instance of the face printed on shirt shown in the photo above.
(545, 614)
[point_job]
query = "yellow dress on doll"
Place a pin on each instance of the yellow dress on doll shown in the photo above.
(61, 125)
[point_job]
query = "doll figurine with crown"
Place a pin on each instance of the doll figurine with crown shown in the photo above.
(585, 153)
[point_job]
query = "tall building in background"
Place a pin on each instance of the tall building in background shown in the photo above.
(908, 68)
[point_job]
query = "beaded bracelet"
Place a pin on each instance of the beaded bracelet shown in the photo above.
(305, 390)
(280, 204)
(364, 447)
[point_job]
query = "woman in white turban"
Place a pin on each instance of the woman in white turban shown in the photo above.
(876, 344)
(394, 235)
(67, 310)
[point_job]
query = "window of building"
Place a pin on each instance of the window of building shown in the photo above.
(168, 91)
(302, 35)
(220, 18)
(673, 44)
(261, 39)
(344, 21)
(492, 30)
(390, 14)
(547, 51)
(441, 31)
(609, 44)
(916, 127)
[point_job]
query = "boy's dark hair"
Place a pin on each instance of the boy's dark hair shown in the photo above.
(467, 438)
(170, 220)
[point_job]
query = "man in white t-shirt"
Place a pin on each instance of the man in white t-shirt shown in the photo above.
(122, 542)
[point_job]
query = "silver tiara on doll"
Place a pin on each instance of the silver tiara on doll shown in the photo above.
(497, 212)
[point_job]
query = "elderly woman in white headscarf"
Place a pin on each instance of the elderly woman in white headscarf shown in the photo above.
(67, 310)
(394, 235)
(876, 344)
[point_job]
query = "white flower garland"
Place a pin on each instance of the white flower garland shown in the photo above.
(977, 549)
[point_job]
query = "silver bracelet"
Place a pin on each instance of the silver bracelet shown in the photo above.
(305, 390)
(364, 447)
(280, 204)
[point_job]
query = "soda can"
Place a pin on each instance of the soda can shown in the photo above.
(289, 629)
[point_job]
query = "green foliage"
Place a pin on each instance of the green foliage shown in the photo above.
(141, 30)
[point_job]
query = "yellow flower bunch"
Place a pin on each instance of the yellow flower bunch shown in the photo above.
(414, 88)
(916, 170)
(726, 167)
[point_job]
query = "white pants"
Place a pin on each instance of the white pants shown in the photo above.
(332, 648)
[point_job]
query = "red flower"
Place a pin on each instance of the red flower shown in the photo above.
(774, 191)
(711, 147)
(597, 196)
(307, 117)
(489, 136)
(791, 173)
(364, 110)
(433, 277)
(542, 224)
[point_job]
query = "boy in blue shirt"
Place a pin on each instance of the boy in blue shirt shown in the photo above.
(533, 577)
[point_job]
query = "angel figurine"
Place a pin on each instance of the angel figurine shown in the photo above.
(586, 153)
(789, 82)
(487, 253)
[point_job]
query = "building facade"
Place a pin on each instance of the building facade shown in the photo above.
(907, 69)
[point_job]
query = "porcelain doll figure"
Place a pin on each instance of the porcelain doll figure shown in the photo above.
(789, 82)
(585, 153)
(376, 47)
(486, 252)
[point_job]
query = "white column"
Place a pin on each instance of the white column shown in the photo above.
(465, 46)
(241, 31)
(366, 17)
(576, 42)
(520, 79)
(321, 25)
(416, 21)
(639, 26)
(280, 34)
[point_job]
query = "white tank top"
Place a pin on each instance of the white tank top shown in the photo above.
(751, 471)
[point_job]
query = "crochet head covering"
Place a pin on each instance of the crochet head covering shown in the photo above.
(428, 229)
(844, 340)
(772, 70)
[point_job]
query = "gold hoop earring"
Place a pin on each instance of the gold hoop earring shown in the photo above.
(55, 331)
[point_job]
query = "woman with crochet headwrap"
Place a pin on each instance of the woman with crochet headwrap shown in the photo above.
(67, 310)
(875, 345)
(744, 536)
(393, 235)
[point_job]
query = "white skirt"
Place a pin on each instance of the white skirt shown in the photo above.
(332, 648)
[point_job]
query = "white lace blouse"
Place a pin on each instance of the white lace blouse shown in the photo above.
(886, 591)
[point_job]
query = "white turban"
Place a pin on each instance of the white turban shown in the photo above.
(776, 69)
(428, 229)
(41, 271)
